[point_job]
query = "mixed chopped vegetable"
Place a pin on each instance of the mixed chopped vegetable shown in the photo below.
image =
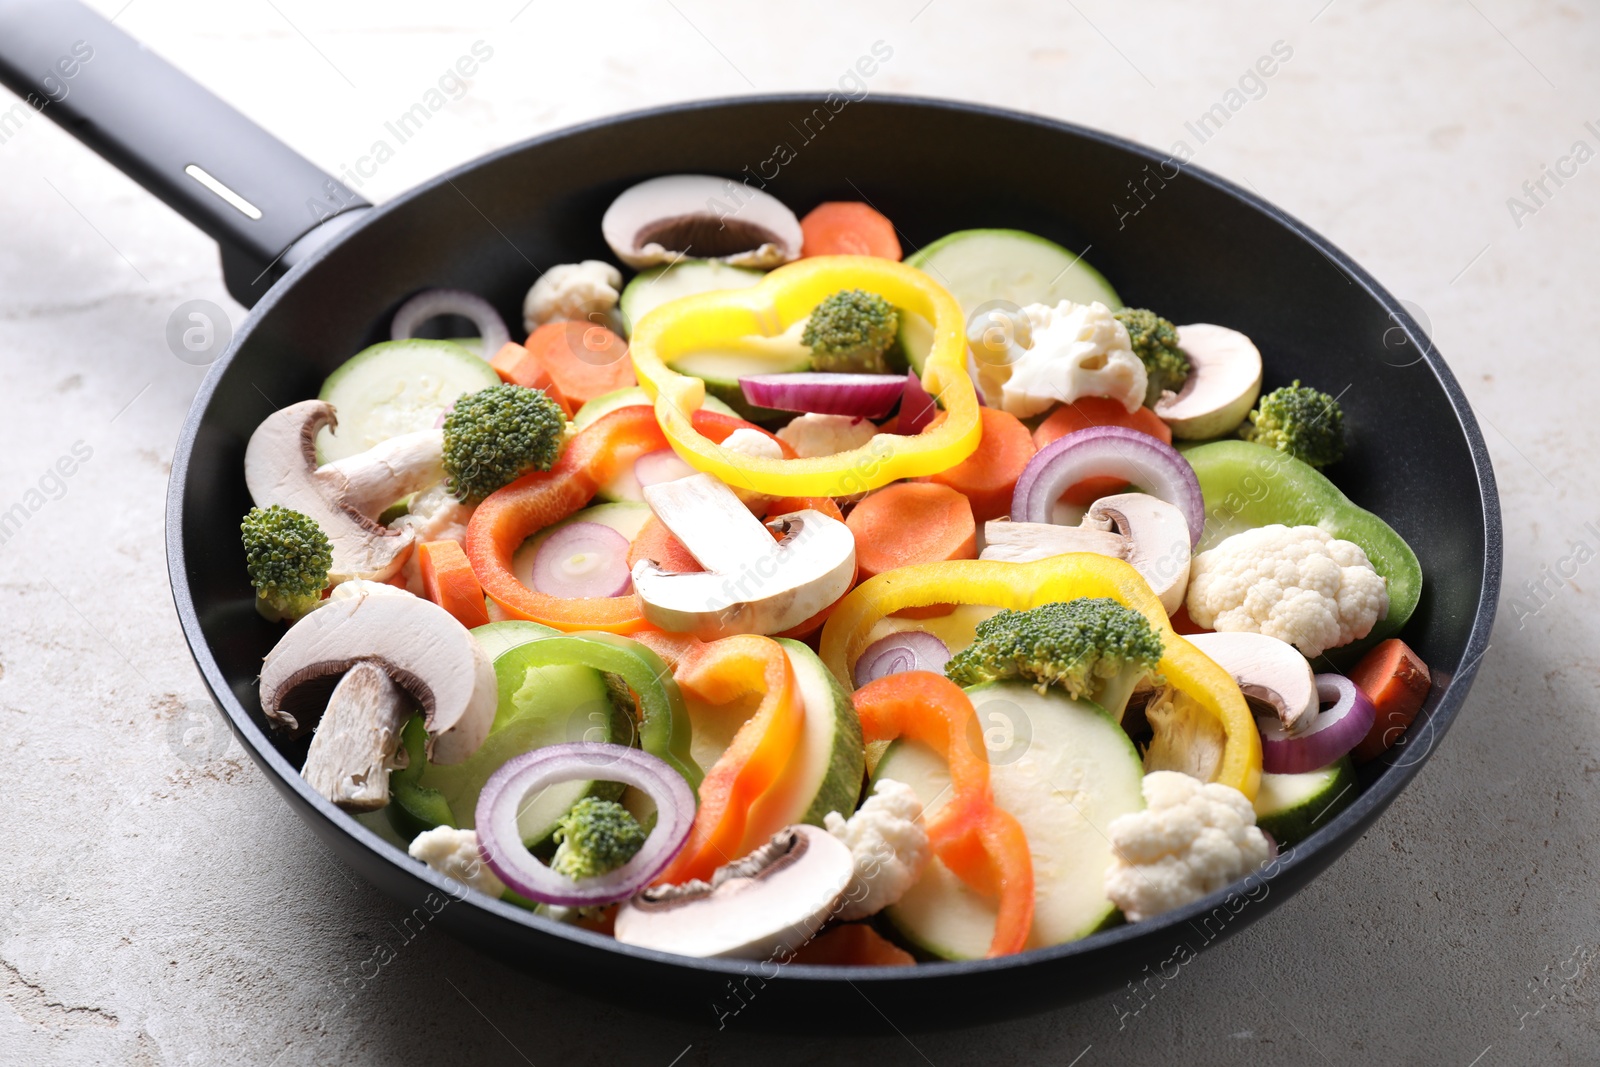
(697, 618)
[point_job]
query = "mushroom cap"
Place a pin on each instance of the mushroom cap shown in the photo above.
(1223, 384)
(280, 467)
(1155, 538)
(1269, 670)
(676, 216)
(422, 648)
(764, 906)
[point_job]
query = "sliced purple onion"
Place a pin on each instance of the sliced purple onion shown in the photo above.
(903, 650)
(869, 396)
(582, 559)
(506, 791)
(431, 303)
(917, 408)
(1109, 451)
(1335, 731)
(662, 465)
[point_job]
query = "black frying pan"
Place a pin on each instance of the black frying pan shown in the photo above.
(1198, 248)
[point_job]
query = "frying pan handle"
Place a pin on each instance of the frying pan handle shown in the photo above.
(261, 201)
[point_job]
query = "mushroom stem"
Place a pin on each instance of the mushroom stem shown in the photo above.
(1024, 542)
(357, 740)
(390, 470)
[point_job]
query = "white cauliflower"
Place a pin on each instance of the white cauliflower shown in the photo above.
(435, 515)
(754, 443)
(1192, 839)
(454, 854)
(888, 843)
(1299, 584)
(360, 587)
(1043, 355)
(814, 435)
(572, 291)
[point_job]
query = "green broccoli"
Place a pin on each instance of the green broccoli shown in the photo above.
(288, 557)
(495, 436)
(1299, 421)
(851, 331)
(595, 836)
(1155, 342)
(1092, 647)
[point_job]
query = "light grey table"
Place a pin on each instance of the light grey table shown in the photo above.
(160, 904)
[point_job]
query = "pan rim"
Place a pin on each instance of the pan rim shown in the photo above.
(1377, 797)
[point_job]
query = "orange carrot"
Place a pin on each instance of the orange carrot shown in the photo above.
(584, 360)
(912, 522)
(853, 945)
(517, 366)
(988, 477)
(848, 228)
(448, 581)
(1097, 411)
(1397, 683)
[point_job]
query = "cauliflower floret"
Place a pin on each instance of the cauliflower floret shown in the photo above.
(814, 435)
(1192, 839)
(435, 515)
(754, 443)
(888, 843)
(572, 291)
(361, 587)
(1299, 584)
(454, 854)
(1046, 355)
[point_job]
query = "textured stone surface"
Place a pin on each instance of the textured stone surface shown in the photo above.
(159, 904)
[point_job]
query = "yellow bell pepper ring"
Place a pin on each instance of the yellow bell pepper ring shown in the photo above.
(1020, 586)
(768, 308)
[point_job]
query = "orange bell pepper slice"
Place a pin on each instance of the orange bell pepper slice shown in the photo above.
(718, 672)
(509, 516)
(981, 843)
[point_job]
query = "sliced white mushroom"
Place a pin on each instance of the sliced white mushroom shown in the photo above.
(358, 739)
(1223, 384)
(1268, 670)
(764, 906)
(421, 647)
(345, 497)
(751, 583)
(697, 216)
(1148, 532)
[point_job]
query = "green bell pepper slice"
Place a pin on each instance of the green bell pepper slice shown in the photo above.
(664, 728)
(1248, 485)
(413, 807)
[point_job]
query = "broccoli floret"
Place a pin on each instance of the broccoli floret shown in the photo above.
(288, 557)
(851, 331)
(1155, 342)
(1300, 421)
(496, 435)
(595, 836)
(1092, 647)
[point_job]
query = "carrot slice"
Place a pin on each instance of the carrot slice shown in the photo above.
(988, 477)
(848, 228)
(1397, 683)
(853, 945)
(585, 360)
(517, 366)
(1097, 411)
(448, 581)
(912, 522)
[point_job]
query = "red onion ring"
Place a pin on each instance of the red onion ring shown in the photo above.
(903, 650)
(1335, 731)
(501, 845)
(1109, 451)
(917, 408)
(868, 396)
(431, 303)
(582, 559)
